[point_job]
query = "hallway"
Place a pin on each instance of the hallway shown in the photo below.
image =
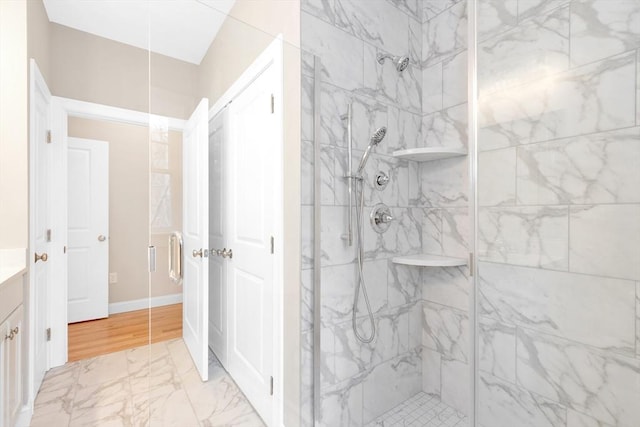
(144, 386)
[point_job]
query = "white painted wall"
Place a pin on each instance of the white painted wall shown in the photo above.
(14, 205)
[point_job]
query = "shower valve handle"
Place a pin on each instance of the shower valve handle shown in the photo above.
(381, 218)
(384, 218)
(382, 180)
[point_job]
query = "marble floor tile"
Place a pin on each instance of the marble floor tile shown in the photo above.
(180, 356)
(154, 385)
(102, 369)
(116, 413)
(58, 392)
(101, 395)
(166, 409)
(158, 374)
(60, 418)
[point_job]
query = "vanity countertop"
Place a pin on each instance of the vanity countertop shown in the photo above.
(12, 263)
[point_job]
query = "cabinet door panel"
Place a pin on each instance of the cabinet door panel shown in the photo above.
(11, 361)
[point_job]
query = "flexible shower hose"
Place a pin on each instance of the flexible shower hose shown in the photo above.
(361, 282)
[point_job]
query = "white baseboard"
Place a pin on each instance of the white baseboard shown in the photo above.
(144, 303)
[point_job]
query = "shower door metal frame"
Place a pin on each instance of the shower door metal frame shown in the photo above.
(472, 111)
(317, 244)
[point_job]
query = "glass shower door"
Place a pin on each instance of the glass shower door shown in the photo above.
(217, 52)
(417, 368)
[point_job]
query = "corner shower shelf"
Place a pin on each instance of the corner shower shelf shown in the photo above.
(426, 154)
(427, 260)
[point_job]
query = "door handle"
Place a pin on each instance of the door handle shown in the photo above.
(197, 253)
(44, 257)
(175, 257)
(152, 259)
(12, 334)
(224, 253)
(101, 238)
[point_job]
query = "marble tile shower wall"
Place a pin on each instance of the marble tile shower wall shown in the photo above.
(443, 193)
(360, 382)
(559, 220)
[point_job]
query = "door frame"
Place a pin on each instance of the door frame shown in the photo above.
(272, 56)
(36, 80)
(62, 109)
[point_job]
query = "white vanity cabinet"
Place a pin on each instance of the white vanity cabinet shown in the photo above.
(12, 334)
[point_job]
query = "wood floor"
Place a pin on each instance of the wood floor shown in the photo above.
(123, 331)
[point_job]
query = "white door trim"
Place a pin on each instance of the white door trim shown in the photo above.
(35, 80)
(62, 109)
(272, 56)
(90, 110)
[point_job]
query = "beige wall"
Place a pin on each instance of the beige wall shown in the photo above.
(14, 184)
(38, 37)
(86, 67)
(250, 28)
(240, 40)
(271, 16)
(129, 206)
(95, 69)
(174, 87)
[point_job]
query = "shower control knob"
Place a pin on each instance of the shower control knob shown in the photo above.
(384, 218)
(381, 217)
(381, 180)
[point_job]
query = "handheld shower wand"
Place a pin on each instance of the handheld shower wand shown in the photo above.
(375, 139)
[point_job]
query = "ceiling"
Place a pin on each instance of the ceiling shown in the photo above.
(181, 29)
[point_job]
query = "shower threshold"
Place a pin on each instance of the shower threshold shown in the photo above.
(421, 410)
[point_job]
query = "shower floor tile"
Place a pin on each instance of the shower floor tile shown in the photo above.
(422, 410)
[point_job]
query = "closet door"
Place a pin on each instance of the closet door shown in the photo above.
(195, 317)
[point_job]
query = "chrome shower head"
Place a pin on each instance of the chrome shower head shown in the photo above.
(375, 139)
(401, 62)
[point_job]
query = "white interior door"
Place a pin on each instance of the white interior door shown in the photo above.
(195, 179)
(251, 192)
(217, 264)
(88, 229)
(40, 224)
